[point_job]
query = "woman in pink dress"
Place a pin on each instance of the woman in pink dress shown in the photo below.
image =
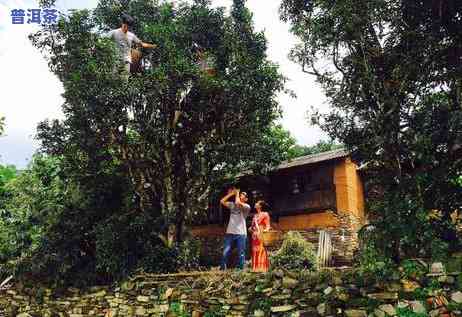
(260, 223)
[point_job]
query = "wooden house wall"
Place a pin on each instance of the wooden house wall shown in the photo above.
(303, 189)
(349, 189)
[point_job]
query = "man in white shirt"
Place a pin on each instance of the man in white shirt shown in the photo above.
(124, 40)
(237, 229)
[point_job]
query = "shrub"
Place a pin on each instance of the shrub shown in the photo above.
(189, 253)
(413, 269)
(295, 253)
(374, 264)
(407, 312)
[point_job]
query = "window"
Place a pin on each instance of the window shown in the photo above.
(301, 183)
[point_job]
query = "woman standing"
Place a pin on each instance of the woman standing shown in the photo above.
(260, 223)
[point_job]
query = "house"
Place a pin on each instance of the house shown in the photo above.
(309, 194)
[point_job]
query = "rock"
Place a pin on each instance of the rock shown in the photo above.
(279, 273)
(417, 307)
(140, 311)
(393, 287)
(355, 313)
(328, 291)
(267, 291)
(285, 308)
(434, 313)
(168, 292)
(240, 307)
(388, 309)
(259, 313)
(437, 268)
(276, 284)
(403, 304)
(384, 296)
(322, 309)
(337, 281)
(342, 296)
(409, 286)
(288, 282)
(301, 303)
(457, 297)
(98, 294)
(127, 286)
(442, 278)
(313, 299)
(309, 312)
(379, 313)
(142, 299)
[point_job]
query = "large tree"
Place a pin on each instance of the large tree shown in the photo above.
(176, 131)
(392, 72)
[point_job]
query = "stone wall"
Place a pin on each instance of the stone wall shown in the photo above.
(278, 293)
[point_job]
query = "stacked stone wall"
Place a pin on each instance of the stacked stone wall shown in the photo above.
(277, 293)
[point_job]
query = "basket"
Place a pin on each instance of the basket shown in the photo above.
(270, 238)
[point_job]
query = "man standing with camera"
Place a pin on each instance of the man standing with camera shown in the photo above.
(237, 229)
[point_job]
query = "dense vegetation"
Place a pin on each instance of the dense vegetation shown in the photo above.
(392, 73)
(119, 179)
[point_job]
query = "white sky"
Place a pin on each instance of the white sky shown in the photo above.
(30, 93)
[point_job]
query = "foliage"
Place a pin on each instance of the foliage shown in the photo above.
(201, 129)
(295, 253)
(189, 254)
(178, 309)
(30, 202)
(49, 221)
(213, 313)
(453, 306)
(320, 147)
(408, 312)
(459, 281)
(7, 173)
(393, 83)
(261, 303)
(133, 161)
(374, 264)
(413, 269)
(420, 294)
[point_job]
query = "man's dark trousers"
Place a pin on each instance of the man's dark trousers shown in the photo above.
(241, 241)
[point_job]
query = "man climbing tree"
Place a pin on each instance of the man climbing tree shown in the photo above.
(124, 40)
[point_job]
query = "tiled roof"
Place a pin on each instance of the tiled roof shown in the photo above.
(313, 158)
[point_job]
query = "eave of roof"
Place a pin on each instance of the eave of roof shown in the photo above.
(313, 158)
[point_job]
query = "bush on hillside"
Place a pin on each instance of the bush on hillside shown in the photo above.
(295, 253)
